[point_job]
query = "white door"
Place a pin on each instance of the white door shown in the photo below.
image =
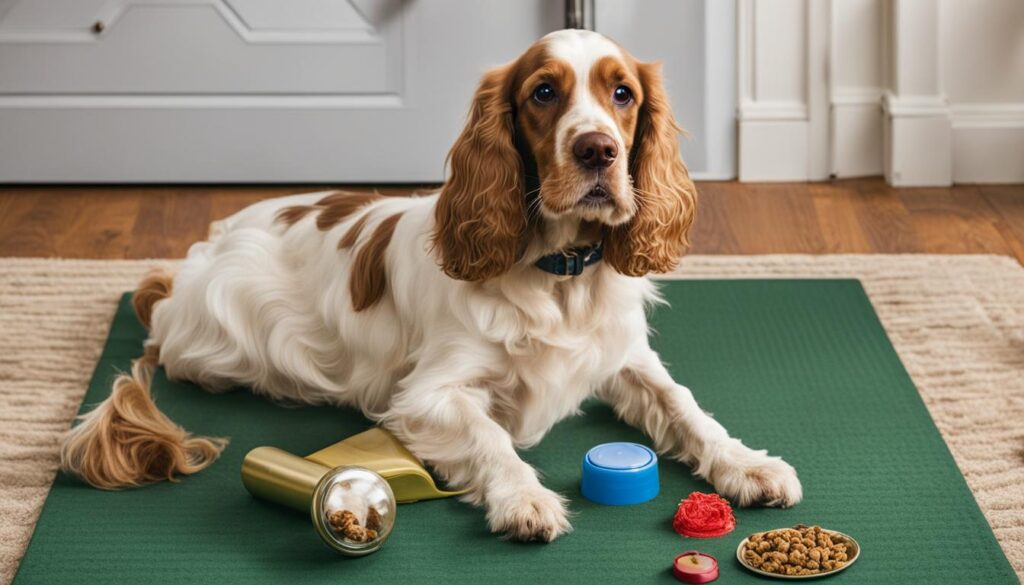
(246, 90)
(282, 90)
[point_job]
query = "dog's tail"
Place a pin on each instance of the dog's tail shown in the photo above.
(126, 441)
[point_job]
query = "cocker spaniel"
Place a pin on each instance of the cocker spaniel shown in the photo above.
(468, 321)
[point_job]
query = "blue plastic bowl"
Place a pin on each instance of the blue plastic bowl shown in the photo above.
(619, 474)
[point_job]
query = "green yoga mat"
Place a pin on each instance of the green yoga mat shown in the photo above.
(802, 367)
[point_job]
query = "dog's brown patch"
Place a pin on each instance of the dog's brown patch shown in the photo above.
(607, 74)
(352, 235)
(369, 272)
(337, 206)
(294, 214)
(333, 209)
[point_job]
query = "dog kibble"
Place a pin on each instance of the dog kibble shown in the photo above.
(345, 523)
(801, 550)
(373, 519)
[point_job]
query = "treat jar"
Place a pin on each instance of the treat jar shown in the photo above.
(352, 508)
(368, 499)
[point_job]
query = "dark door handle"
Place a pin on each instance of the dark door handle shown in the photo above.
(574, 14)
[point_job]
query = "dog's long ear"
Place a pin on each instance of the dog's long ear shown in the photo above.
(655, 238)
(481, 216)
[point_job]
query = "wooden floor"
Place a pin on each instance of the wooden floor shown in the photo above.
(851, 216)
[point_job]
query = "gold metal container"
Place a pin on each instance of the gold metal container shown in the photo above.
(369, 472)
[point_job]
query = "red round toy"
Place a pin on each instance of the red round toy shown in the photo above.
(695, 567)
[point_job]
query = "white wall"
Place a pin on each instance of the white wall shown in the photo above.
(927, 92)
(983, 50)
(983, 69)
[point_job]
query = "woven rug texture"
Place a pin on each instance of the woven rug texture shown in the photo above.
(957, 323)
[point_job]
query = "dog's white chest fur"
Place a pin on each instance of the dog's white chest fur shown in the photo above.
(567, 344)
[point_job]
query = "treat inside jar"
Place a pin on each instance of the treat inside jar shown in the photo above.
(346, 524)
(356, 508)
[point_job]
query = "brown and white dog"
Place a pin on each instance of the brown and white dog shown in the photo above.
(433, 315)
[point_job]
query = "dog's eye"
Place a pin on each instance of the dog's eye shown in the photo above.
(544, 93)
(622, 95)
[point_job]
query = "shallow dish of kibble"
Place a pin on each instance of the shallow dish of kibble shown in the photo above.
(800, 552)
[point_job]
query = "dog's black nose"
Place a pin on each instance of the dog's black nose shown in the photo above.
(595, 150)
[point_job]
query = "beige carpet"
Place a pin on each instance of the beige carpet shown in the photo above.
(956, 321)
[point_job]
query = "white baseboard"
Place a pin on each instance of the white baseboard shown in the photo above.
(773, 150)
(856, 137)
(773, 139)
(916, 141)
(712, 176)
(985, 142)
(856, 132)
(988, 143)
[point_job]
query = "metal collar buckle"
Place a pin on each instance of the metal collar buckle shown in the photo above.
(574, 263)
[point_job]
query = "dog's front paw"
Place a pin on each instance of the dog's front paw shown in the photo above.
(753, 477)
(529, 514)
